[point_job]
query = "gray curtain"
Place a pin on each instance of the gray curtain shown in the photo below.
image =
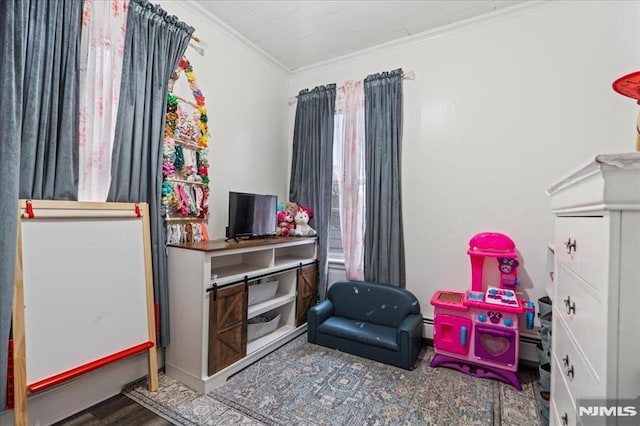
(154, 43)
(312, 163)
(39, 47)
(383, 240)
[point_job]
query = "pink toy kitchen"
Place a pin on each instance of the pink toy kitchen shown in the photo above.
(477, 332)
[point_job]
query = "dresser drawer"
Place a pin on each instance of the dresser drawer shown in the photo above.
(581, 243)
(585, 317)
(562, 411)
(575, 370)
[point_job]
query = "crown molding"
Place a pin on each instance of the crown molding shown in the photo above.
(467, 24)
(236, 36)
(457, 27)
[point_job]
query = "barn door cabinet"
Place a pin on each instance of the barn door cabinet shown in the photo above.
(211, 317)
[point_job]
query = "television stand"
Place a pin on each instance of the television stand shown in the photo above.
(251, 238)
(212, 332)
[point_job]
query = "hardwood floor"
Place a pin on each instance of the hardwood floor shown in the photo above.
(116, 411)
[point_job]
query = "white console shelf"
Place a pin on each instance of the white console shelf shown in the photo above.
(208, 302)
(267, 305)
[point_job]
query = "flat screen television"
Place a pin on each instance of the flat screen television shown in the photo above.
(251, 215)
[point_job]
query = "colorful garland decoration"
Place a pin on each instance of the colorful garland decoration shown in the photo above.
(199, 97)
(185, 187)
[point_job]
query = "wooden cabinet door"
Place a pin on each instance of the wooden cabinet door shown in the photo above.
(227, 327)
(307, 292)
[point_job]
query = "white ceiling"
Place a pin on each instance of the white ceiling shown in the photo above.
(298, 34)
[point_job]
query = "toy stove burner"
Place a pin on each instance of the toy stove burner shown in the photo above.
(500, 296)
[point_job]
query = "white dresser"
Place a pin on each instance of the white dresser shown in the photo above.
(596, 294)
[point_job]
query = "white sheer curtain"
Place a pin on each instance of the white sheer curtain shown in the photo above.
(102, 48)
(349, 159)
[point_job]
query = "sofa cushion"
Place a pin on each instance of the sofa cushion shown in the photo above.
(360, 331)
(373, 303)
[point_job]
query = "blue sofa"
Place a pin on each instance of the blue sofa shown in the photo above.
(375, 321)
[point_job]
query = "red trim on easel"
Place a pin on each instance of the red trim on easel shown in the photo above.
(30, 209)
(74, 372)
(138, 212)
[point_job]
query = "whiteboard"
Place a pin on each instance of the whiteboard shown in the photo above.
(85, 291)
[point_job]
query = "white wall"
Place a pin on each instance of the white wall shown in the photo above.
(498, 111)
(246, 100)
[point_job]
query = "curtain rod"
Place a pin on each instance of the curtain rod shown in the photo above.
(201, 47)
(409, 75)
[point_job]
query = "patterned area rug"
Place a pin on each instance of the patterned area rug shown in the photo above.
(305, 384)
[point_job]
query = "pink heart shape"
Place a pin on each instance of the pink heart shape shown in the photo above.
(495, 345)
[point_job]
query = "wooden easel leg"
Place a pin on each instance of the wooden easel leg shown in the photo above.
(20, 417)
(153, 369)
(151, 317)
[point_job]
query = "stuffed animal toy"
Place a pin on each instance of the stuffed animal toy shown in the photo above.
(286, 223)
(292, 207)
(302, 224)
(279, 210)
(308, 210)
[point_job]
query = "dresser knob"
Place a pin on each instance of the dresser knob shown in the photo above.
(565, 419)
(571, 307)
(570, 372)
(570, 245)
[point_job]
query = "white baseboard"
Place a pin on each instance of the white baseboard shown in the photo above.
(55, 404)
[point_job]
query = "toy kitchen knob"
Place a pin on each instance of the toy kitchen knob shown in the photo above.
(508, 322)
(482, 317)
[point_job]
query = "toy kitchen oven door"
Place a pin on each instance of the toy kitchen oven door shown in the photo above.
(496, 338)
(477, 332)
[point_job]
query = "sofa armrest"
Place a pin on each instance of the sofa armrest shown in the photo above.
(410, 339)
(317, 315)
(411, 325)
